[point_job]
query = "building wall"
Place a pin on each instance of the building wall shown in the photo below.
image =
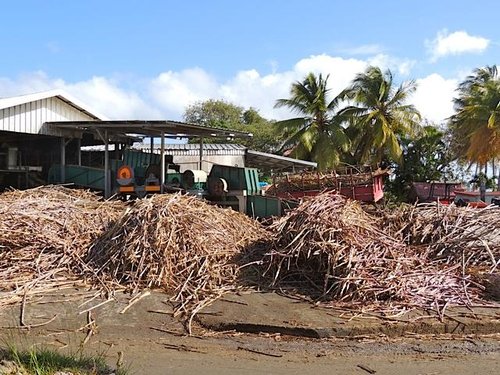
(193, 161)
(30, 117)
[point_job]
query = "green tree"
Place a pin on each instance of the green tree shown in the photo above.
(380, 116)
(317, 134)
(476, 122)
(425, 158)
(265, 137)
(215, 113)
(219, 113)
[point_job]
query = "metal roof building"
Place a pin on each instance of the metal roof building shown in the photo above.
(39, 131)
(188, 154)
(29, 114)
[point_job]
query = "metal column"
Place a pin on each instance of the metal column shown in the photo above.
(107, 192)
(162, 161)
(79, 151)
(63, 160)
(201, 153)
(151, 149)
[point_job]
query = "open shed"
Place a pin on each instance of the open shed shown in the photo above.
(111, 130)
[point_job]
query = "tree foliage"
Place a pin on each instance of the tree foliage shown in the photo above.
(317, 134)
(214, 113)
(371, 122)
(379, 117)
(424, 158)
(476, 122)
(222, 114)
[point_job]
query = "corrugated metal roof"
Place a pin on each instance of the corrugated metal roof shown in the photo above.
(194, 146)
(193, 149)
(150, 128)
(253, 158)
(274, 162)
(183, 149)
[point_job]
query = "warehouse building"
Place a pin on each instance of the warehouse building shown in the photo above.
(187, 155)
(28, 146)
(42, 136)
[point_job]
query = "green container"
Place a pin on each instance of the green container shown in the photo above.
(173, 178)
(263, 207)
(139, 159)
(88, 177)
(238, 178)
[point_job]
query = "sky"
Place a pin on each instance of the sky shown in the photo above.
(150, 59)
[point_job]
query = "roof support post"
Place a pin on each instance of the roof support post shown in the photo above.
(162, 161)
(107, 179)
(151, 149)
(201, 153)
(79, 151)
(63, 160)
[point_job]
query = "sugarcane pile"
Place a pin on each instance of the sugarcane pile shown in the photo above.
(45, 232)
(454, 235)
(179, 243)
(331, 245)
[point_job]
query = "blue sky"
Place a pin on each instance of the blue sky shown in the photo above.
(150, 59)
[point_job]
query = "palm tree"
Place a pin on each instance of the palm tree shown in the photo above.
(317, 134)
(379, 116)
(476, 122)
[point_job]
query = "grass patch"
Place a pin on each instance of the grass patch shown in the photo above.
(47, 362)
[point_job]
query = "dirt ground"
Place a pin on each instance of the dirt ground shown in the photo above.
(148, 340)
(256, 354)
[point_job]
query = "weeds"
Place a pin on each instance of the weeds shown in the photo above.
(48, 362)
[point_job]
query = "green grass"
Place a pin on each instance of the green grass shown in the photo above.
(47, 362)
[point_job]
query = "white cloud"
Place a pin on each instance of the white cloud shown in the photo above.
(27, 84)
(101, 94)
(173, 91)
(434, 97)
(167, 95)
(455, 43)
(341, 71)
(109, 99)
(402, 66)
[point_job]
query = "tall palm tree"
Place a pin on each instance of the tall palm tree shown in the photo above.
(317, 134)
(379, 116)
(476, 122)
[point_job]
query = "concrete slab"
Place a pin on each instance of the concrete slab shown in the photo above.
(251, 312)
(151, 341)
(272, 313)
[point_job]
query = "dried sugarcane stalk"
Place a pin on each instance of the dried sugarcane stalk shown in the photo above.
(179, 243)
(45, 232)
(330, 244)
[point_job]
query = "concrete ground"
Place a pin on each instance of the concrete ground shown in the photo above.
(270, 312)
(255, 333)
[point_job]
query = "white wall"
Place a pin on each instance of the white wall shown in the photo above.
(30, 117)
(192, 161)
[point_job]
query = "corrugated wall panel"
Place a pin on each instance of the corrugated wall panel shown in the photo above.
(3, 119)
(30, 117)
